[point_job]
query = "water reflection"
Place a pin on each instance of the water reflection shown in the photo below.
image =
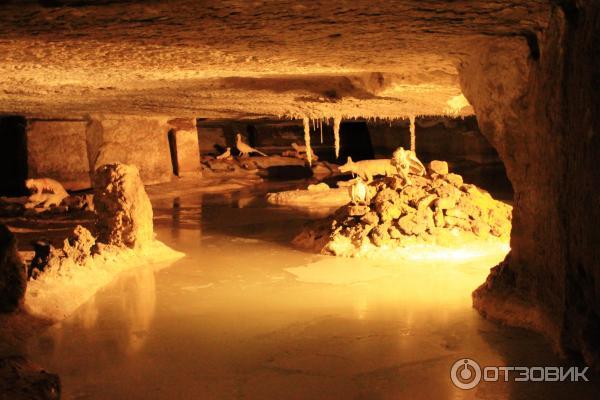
(109, 328)
(244, 315)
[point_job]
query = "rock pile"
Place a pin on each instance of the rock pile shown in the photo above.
(430, 209)
(77, 249)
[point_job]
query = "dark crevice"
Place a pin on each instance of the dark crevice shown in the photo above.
(569, 8)
(532, 43)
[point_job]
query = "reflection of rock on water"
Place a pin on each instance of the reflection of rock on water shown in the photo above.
(128, 317)
(140, 307)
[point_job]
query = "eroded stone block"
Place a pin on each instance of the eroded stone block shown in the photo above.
(123, 207)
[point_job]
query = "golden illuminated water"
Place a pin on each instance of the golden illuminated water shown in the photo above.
(245, 316)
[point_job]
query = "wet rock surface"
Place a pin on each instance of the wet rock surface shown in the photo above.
(433, 209)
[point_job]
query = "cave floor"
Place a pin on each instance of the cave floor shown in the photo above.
(246, 316)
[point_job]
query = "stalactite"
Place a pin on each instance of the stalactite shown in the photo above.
(312, 120)
(336, 135)
(413, 136)
(307, 140)
(321, 129)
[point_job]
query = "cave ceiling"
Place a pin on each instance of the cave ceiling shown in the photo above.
(237, 59)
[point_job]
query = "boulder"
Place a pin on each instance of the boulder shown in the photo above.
(123, 207)
(79, 245)
(318, 187)
(438, 167)
(407, 224)
(480, 228)
(380, 235)
(388, 211)
(454, 179)
(370, 218)
(386, 194)
(457, 213)
(357, 211)
(13, 275)
(438, 218)
(445, 203)
(425, 202)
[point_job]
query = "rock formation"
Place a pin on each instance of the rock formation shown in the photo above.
(537, 103)
(22, 380)
(529, 70)
(13, 276)
(429, 209)
(76, 251)
(123, 207)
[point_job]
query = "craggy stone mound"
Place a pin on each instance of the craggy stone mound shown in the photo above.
(123, 207)
(76, 251)
(435, 209)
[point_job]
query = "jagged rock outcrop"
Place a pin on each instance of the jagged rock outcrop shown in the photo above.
(13, 276)
(537, 103)
(76, 251)
(123, 207)
(433, 209)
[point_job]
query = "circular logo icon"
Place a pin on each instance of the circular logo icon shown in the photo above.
(465, 373)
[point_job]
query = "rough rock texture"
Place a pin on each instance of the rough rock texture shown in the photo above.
(239, 58)
(76, 251)
(13, 276)
(56, 149)
(123, 207)
(22, 380)
(436, 209)
(134, 140)
(540, 111)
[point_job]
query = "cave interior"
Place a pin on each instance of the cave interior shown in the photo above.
(506, 92)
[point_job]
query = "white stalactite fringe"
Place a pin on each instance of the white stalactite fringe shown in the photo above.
(336, 135)
(321, 129)
(307, 140)
(413, 136)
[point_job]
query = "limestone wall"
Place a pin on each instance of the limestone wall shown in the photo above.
(538, 106)
(135, 140)
(57, 149)
(68, 150)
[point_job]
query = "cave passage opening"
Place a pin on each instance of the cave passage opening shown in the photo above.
(13, 156)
